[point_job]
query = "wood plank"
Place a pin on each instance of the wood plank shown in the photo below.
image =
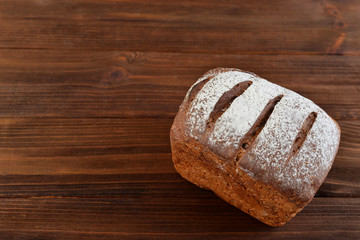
(96, 156)
(33, 146)
(282, 26)
(168, 218)
(53, 234)
(138, 84)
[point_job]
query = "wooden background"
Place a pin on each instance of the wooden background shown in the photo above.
(89, 89)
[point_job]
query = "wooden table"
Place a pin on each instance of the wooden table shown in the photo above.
(89, 90)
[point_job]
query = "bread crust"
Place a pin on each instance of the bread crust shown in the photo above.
(231, 180)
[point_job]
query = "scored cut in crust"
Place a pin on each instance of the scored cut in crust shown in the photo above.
(263, 148)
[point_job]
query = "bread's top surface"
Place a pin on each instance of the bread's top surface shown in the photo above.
(272, 133)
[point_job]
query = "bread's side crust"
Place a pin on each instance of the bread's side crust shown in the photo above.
(204, 168)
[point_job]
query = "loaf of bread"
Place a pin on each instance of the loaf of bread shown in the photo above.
(260, 147)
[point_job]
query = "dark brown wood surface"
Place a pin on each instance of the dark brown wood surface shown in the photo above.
(89, 88)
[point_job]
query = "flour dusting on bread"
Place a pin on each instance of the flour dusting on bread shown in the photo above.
(269, 152)
(261, 147)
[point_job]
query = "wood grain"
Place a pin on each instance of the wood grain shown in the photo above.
(96, 156)
(291, 27)
(185, 217)
(148, 84)
(89, 88)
